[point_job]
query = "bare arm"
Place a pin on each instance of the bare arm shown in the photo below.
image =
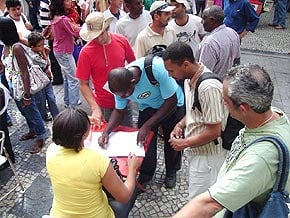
(178, 129)
(210, 133)
(243, 34)
(201, 206)
(115, 120)
(22, 63)
(97, 116)
(121, 191)
(168, 106)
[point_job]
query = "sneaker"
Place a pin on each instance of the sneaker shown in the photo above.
(170, 181)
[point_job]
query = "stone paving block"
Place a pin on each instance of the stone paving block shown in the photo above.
(157, 201)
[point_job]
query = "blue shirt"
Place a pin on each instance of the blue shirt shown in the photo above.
(147, 95)
(240, 15)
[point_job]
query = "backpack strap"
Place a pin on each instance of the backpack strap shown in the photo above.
(23, 18)
(196, 103)
(283, 168)
(148, 69)
(204, 76)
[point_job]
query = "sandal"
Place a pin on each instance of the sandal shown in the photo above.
(30, 135)
(279, 27)
(37, 145)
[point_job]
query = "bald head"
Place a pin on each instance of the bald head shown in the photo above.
(119, 79)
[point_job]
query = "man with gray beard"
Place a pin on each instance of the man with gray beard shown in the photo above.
(248, 94)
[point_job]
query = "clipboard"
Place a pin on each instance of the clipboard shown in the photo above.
(122, 160)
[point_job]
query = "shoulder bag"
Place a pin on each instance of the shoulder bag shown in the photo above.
(38, 78)
(276, 205)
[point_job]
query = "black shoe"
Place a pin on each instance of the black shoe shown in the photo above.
(144, 179)
(170, 180)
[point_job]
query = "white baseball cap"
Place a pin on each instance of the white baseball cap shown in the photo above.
(160, 6)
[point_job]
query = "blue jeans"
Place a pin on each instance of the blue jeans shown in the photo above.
(33, 118)
(42, 96)
(123, 210)
(280, 13)
(70, 82)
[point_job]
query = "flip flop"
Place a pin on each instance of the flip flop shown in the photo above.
(37, 145)
(30, 135)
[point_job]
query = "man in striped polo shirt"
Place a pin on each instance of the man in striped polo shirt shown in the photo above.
(202, 129)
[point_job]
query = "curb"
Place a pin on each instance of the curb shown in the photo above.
(265, 53)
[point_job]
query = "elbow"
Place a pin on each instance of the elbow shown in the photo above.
(123, 198)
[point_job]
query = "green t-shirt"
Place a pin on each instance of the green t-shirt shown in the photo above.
(250, 174)
(147, 4)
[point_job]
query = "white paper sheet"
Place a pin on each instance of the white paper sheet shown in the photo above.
(120, 144)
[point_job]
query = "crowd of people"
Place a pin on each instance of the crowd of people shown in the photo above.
(98, 50)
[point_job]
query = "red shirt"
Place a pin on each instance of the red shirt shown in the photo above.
(92, 63)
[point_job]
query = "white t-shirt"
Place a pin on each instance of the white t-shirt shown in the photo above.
(20, 26)
(189, 33)
(108, 13)
(130, 28)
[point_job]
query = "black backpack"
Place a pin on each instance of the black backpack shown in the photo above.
(156, 50)
(233, 126)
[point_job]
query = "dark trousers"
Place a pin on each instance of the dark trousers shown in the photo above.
(55, 68)
(7, 142)
(172, 158)
(33, 11)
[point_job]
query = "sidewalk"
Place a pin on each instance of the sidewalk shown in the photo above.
(157, 201)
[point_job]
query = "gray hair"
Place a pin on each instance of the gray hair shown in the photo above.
(250, 84)
(216, 12)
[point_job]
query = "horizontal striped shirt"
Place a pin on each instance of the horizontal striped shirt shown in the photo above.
(44, 13)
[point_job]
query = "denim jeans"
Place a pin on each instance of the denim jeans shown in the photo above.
(70, 82)
(33, 118)
(40, 99)
(280, 13)
(123, 210)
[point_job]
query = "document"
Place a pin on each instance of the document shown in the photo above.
(120, 144)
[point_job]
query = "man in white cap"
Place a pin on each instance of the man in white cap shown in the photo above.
(103, 52)
(188, 27)
(157, 32)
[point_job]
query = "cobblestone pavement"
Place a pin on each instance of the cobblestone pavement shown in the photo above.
(266, 47)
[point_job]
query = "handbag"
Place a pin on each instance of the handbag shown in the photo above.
(38, 78)
(276, 204)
